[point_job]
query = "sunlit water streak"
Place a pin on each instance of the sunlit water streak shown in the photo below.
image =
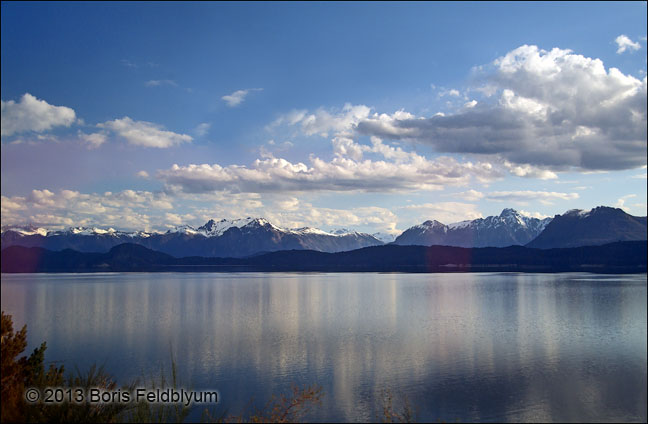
(488, 347)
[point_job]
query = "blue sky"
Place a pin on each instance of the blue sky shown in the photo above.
(375, 116)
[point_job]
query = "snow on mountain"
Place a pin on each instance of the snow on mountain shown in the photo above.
(309, 230)
(27, 231)
(460, 224)
(224, 238)
(215, 228)
(90, 231)
(431, 225)
(508, 228)
(384, 237)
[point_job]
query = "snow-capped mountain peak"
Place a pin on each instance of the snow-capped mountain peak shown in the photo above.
(183, 229)
(342, 232)
(215, 228)
(87, 231)
(431, 225)
(508, 228)
(27, 230)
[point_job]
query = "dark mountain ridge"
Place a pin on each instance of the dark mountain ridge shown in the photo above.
(599, 226)
(619, 257)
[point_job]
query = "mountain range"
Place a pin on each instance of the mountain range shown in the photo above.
(224, 238)
(254, 236)
(508, 229)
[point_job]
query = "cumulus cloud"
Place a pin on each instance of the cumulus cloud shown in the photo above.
(530, 171)
(237, 97)
(32, 114)
(127, 209)
(341, 174)
(147, 134)
(349, 170)
(554, 109)
(626, 44)
(137, 210)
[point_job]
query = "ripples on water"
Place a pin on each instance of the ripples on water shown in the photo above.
(461, 347)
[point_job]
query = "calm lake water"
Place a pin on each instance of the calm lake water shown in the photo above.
(460, 347)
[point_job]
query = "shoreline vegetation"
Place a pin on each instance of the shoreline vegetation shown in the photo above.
(20, 373)
(618, 257)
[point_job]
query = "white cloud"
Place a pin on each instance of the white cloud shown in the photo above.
(621, 202)
(32, 114)
(322, 121)
(94, 140)
(556, 110)
(340, 174)
(530, 171)
(157, 83)
(446, 212)
(147, 134)
(237, 97)
(537, 215)
(452, 93)
(137, 210)
(172, 220)
(143, 174)
(304, 214)
(525, 196)
(202, 129)
(347, 171)
(127, 209)
(290, 118)
(641, 175)
(273, 148)
(626, 44)
(470, 195)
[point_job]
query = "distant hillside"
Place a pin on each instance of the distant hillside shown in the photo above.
(621, 257)
(599, 226)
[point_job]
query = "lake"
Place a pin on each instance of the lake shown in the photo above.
(459, 347)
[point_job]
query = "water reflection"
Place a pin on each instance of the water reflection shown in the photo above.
(488, 347)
